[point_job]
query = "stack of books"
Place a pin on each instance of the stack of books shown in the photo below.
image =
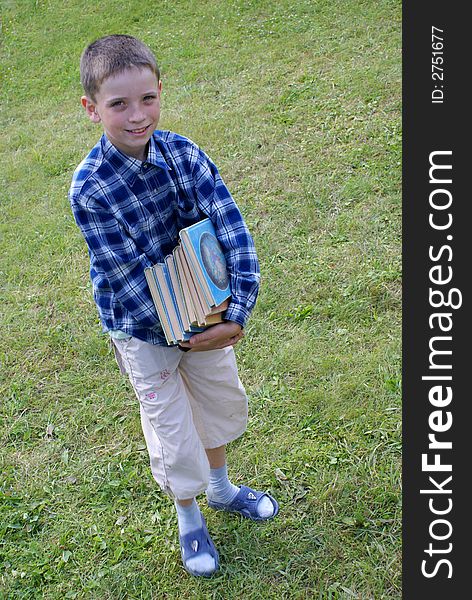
(191, 288)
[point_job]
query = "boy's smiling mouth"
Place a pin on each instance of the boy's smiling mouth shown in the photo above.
(137, 131)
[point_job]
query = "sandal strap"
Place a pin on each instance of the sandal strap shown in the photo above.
(248, 498)
(245, 503)
(197, 542)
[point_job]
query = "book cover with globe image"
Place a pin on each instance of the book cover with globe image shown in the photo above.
(208, 261)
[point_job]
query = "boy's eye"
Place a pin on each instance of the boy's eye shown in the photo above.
(117, 103)
(149, 98)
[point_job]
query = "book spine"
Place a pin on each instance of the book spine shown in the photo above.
(192, 315)
(197, 271)
(159, 304)
(200, 313)
(177, 292)
(174, 308)
(167, 300)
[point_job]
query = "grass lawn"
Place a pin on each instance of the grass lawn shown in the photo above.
(299, 104)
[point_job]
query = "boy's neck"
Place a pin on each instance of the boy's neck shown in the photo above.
(141, 158)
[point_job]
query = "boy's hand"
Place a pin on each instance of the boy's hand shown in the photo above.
(215, 337)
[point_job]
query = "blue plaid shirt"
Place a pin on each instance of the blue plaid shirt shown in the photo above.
(130, 213)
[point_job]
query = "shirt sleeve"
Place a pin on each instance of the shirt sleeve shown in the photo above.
(116, 258)
(215, 200)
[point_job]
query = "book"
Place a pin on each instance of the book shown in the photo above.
(191, 288)
(194, 298)
(151, 277)
(207, 261)
(164, 300)
(176, 286)
(186, 292)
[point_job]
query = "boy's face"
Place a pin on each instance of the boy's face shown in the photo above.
(128, 105)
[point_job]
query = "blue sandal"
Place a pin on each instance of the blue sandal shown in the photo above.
(198, 542)
(245, 503)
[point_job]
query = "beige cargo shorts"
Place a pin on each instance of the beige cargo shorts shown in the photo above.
(189, 402)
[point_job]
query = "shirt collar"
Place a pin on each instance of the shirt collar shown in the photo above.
(129, 167)
(155, 156)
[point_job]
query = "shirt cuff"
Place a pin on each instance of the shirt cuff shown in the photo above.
(238, 314)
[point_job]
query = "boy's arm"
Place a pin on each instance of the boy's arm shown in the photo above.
(118, 258)
(215, 200)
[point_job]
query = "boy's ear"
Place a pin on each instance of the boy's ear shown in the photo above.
(90, 109)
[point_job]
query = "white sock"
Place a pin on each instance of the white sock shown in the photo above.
(220, 489)
(265, 508)
(190, 519)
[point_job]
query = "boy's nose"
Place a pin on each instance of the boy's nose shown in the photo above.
(136, 116)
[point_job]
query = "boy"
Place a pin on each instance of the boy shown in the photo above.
(130, 197)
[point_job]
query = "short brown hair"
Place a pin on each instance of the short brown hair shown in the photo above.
(111, 55)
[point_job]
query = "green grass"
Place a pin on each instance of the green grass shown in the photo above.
(299, 104)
